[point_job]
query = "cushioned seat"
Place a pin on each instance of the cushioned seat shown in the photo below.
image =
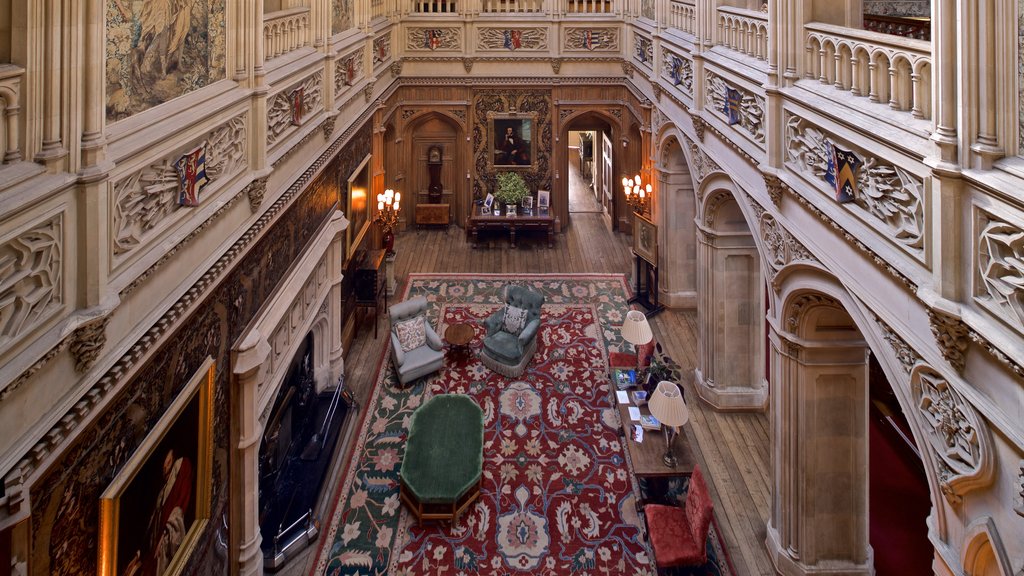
(511, 338)
(679, 536)
(416, 350)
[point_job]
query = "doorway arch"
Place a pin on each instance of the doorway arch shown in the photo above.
(606, 129)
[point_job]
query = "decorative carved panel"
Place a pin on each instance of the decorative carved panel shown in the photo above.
(512, 39)
(892, 197)
(31, 278)
(279, 109)
(680, 71)
(955, 433)
(751, 113)
(381, 49)
(145, 200)
(700, 163)
(643, 50)
(1001, 267)
(592, 39)
(347, 71)
(781, 248)
(430, 39)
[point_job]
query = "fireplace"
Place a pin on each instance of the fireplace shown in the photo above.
(295, 456)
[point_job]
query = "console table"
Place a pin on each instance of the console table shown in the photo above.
(518, 223)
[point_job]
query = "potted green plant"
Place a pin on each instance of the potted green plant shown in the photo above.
(510, 190)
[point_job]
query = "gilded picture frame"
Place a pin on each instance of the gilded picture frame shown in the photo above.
(357, 206)
(155, 509)
(512, 141)
(645, 239)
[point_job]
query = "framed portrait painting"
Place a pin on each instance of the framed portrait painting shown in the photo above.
(153, 512)
(645, 239)
(357, 206)
(513, 140)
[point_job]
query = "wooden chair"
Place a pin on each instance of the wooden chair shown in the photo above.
(679, 535)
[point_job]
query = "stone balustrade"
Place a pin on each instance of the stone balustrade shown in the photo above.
(682, 15)
(285, 31)
(10, 107)
(589, 6)
(881, 67)
(434, 7)
(742, 30)
(511, 6)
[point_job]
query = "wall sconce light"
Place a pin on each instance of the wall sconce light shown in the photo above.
(637, 193)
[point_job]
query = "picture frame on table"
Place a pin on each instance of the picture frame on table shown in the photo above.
(157, 506)
(513, 140)
(645, 239)
(485, 208)
(543, 202)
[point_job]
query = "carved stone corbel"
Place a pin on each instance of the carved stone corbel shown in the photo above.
(627, 68)
(556, 65)
(951, 334)
(467, 64)
(87, 341)
(656, 91)
(396, 68)
(256, 190)
(368, 92)
(775, 188)
(328, 127)
(699, 125)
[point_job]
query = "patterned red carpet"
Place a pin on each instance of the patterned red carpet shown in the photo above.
(556, 497)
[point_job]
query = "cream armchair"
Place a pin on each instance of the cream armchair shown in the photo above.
(416, 350)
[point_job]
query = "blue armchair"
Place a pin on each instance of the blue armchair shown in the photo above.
(416, 350)
(511, 337)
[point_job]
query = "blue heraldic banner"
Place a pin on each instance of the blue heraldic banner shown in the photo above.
(733, 98)
(846, 165)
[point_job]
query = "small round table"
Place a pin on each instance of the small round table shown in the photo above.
(458, 336)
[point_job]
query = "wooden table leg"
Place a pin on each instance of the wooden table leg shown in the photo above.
(512, 234)
(474, 237)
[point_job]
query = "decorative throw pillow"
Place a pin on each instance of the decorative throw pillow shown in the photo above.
(515, 319)
(411, 333)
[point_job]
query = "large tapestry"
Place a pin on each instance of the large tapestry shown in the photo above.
(341, 15)
(158, 50)
(70, 489)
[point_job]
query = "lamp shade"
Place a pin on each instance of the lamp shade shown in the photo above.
(666, 404)
(635, 328)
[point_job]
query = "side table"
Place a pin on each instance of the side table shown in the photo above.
(458, 336)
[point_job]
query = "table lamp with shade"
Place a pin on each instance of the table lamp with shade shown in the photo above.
(667, 405)
(637, 331)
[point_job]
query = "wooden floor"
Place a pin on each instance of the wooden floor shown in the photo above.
(732, 448)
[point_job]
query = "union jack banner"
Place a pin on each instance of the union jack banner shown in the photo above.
(191, 169)
(846, 165)
(733, 99)
(296, 98)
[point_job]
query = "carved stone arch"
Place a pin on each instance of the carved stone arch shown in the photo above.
(983, 550)
(675, 212)
(955, 433)
(420, 116)
(614, 121)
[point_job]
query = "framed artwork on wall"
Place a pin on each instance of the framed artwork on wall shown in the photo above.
(513, 140)
(645, 239)
(357, 206)
(152, 514)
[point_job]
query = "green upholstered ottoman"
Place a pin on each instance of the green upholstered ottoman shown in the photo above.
(444, 458)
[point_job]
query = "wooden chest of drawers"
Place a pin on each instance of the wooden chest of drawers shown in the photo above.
(432, 215)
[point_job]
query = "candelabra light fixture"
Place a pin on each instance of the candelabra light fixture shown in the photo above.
(637, 193)
(388, 205)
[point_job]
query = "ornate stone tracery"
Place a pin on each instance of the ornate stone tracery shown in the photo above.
(893, 197)
(954, 432)
(781, 246)
(679, 70)
(643, 50)
(804, 302)
(430, 39)
(512, 39)
(1001, 266)
(347, 71)
(907, 356)
(31, 278)
(144, 200)
(751, 113)
(702, 164)
(279, 109)
(951, 334)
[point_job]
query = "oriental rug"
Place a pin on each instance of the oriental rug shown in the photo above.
(557, 495)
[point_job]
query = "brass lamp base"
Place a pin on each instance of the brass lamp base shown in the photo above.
(669, 458)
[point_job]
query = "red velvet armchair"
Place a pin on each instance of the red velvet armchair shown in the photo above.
(679, 536)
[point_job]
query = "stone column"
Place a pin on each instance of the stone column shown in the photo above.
(246, 557)
(819, 483)
(730, 322)
(679, 241)
(335, 258)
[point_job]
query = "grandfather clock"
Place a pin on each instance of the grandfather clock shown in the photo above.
(434, 189)
(434, 212)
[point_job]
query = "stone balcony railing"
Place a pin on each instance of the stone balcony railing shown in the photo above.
(745, 31)
(511, 6)
(682, 15)
(881, 67)
(285, 31)
(10, 108)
